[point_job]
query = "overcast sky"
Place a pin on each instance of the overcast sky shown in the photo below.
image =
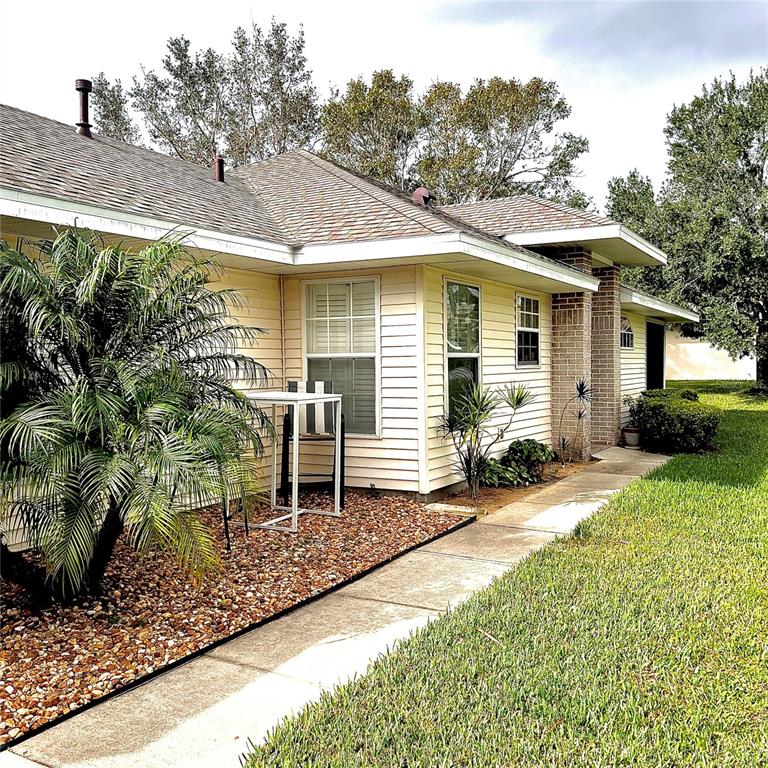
(621, 65)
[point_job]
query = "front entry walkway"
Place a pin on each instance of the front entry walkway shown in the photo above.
(201, 713)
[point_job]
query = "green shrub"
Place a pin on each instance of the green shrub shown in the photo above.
(494, 474)
(674, 425)
(679, 394)
(529, 454)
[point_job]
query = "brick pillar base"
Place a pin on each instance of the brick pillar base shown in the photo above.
(606, 358)
(571, 356)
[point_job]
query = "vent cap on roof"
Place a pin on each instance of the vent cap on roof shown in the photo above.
(422, 196)
(218, 168)
(84, 87)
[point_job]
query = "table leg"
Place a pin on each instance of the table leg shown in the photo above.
(337, 459)
(295, 499)
(273, 495)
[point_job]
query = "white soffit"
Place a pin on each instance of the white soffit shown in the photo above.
(613, 241)
(642, 304)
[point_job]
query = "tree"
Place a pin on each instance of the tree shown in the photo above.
(374, 129)
(495, 140)
(633, 202)
(110, 111)
(122, 412)
(498, 140)
(271, 105)
(253, 103)
(185, 109)
(711, 216)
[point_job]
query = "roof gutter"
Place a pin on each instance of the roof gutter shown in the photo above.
(52, 210)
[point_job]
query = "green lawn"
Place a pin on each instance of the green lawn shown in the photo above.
(642, 640)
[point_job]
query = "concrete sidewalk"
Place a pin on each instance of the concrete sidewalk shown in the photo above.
(201, 713)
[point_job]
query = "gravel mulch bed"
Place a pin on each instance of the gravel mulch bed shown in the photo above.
(57, 659)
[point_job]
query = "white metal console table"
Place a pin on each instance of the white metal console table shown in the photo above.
(298, 400)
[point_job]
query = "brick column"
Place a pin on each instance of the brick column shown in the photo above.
(571, 353)
(606, 358)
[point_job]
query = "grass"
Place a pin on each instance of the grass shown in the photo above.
(641, 640)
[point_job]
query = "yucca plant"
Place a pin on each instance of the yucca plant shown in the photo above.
(469, 424)
(580, 399)
(120, 411)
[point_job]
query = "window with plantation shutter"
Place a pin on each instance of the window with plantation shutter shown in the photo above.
(340, 326)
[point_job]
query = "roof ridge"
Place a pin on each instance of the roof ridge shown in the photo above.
(334, 168)
(558, 206)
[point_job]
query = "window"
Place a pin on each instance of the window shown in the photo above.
(627, 335)
(341, 346)
(462, 339)
(528, 331)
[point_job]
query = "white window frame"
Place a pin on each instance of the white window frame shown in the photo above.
(518, 327)
(630, 333)
(448, 355)
(305, 356)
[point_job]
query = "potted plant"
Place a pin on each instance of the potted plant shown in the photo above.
(630, 434)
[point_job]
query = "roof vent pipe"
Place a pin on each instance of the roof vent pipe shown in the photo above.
(84, 87)
(218, 168)
(422, 196)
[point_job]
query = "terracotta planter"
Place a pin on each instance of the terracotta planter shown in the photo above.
(631, 437)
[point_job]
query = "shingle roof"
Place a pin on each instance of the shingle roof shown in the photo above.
(320, 202)
(43, 156)
(524, 213)
(297, 198)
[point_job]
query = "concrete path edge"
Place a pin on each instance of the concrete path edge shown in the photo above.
(463, 521)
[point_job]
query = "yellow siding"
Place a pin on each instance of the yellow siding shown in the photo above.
(390, 460)
(498, 367)
(633, 364)
(259, 306)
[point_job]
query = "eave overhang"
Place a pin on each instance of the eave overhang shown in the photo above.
(641, 303)
(33, 216)
(612, 241)
(453, 251)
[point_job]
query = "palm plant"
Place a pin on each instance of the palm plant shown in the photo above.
(469, 424)
(581, 398)
(119, 408)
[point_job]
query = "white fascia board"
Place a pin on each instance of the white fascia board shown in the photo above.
(585, 234)
(657, 307)
(642, 244)
(51, 210)
(433, 245)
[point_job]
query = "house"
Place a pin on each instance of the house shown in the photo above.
(697, 359)
(381, 293)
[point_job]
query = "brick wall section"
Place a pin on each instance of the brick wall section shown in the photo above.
(606, 358)
(571, 352)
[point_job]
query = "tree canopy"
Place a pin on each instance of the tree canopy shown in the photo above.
(711, 215)
(252, 103)
(498, 137)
